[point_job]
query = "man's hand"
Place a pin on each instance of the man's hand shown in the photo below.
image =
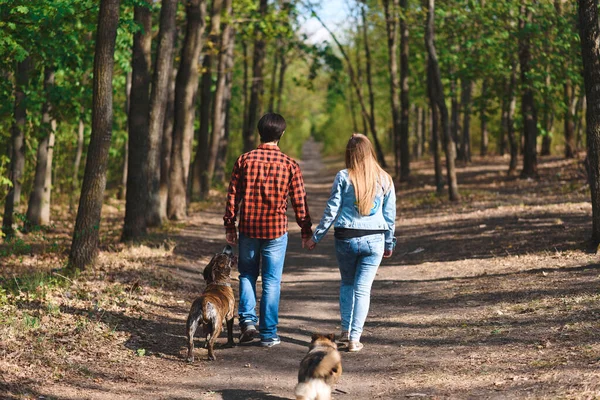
(232, 238)
(308, 244)
(388, 253)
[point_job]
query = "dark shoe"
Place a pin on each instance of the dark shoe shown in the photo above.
(248, 333)
(270, 342)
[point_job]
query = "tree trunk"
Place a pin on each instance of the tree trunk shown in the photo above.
(38, 210)
(257, 88)
(455, 117)
(369, 62)
(17, 160)
(580, 111)
(185, 93)
(466, 91)
(527, 100)
(590, 53)
(510, 120)
(548, 120)
(282, 69)
(166, 146)
(198, 178)
(569, 96)
(438, 95)
(391, 23)
(483, 150)
(218, 117)
(77, 161)
(273, 90)
(418, 133)
(245, 96)
(122, 194)
(404, 105)
(139, 117)
(222, 156)
(84, 247)
(435, 147)
(158, 106)
(425, 117)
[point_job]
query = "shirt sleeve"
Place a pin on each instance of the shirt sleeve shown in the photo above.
(331, 209)
(389, 213)
(299, 202)
(233, 198)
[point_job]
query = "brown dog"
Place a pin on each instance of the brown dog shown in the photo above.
(215, 305)
(319, 370)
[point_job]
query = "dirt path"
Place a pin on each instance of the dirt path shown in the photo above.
(491, 298)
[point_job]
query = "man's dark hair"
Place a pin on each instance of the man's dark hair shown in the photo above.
(271, 127)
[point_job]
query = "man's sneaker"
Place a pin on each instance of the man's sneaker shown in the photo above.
(270, 342)
(248, 333)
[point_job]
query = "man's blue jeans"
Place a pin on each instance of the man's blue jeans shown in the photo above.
(358, 261)
(272, 252)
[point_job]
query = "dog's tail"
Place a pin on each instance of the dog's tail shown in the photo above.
(328, 366)
(313, 389)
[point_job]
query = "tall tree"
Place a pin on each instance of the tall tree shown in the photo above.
(257, 87)
(138, 118)
(391, 24)
(369, 63)
(404, 103)
(185, 92)
(38, 209)
(84, 247)
(438, 96)
(466, 92)
(17, 160)
(590, 53)
(163, 66)
(528, 109)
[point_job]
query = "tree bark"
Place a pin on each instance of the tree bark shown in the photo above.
(199, 166)
(466, 92)
(580, 111)
(510, 120)
(273, 90)
(368, 62)
(38, 209)
(257, 87)
(17, 160)
(77, 161)
(438, 95)
(418, 145)
(590, 53)
(391, 24)
(218, 115)
(435, 148)
(84, 247)
(166, 145)
(404, 101)
(282, 69)
(158, 105)
(136, 202)
(122, 194)
(222, 156)
(483, 150)
(185, 93)
(528, 109)
(569, 117)
(548, 120)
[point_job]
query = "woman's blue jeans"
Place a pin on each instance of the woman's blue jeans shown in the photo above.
(358, 261)
(272, 252)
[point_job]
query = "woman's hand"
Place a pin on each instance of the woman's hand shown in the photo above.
(309, 244)
(388, 253)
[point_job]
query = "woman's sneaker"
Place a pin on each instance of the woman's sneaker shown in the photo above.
(354, 346)
(248, 333)
(270, 342)
(344, 337)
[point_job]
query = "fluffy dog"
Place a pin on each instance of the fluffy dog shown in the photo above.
(215, 305)
(319, 370)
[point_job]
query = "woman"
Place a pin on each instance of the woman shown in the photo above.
(362, 207)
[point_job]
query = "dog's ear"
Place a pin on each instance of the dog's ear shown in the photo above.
(315, 336)
(207, 273)
(228, 250)
(331, 337)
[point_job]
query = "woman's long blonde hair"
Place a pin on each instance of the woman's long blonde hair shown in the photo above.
(366, 175)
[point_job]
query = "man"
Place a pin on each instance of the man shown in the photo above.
(261, 182)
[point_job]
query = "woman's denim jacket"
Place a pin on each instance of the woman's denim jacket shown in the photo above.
(341, 208)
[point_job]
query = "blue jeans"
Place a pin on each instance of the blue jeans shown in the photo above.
(272, 252)
(358, 260)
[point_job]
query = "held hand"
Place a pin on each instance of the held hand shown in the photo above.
(387, 253)
(308, 244)
(231, 238)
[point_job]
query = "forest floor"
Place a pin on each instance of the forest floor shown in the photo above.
(494, 297)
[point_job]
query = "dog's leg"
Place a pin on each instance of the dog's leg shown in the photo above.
(213, 337)
(230, 332)
(191, 326)
(207, 332)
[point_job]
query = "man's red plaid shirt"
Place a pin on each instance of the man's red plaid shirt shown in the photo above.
(261, 182)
